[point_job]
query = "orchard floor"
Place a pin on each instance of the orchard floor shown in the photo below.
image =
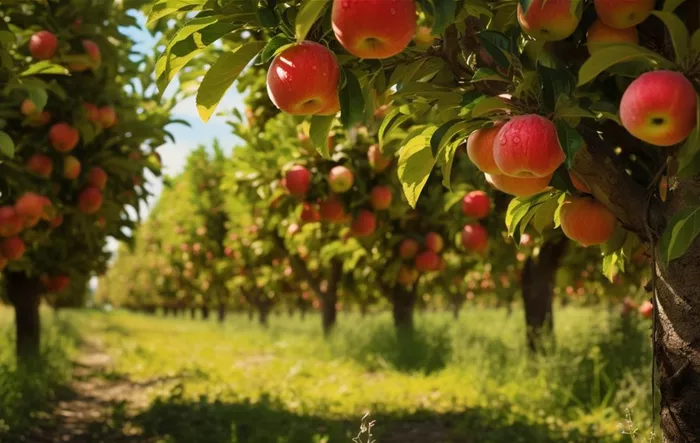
(139, 378)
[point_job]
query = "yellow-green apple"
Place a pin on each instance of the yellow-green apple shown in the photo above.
(377, 161)
(374, 28)
(424, 37)
(303, 80)
(621, 14)
(518, 186)
(475, 238)
(381, 197)
(579, 184)
(587, 221)
(332, 210)
(97, 177)
(364, 224)
(434, 242)
(12, 248)
(40, 165)
(108, 117)
(549, 20)
(600, 35)
(407, 275)
(64, 138)
(10, 221)
(476, 204)
(309, 213)
(43, 45)
(408, 248)
(480, 148)
(659, 108)
(340, 179)
(71, 167)
(528, 146)
(90, 200)
(297, 180)
(427, 261)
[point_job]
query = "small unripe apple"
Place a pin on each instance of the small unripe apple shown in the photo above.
(108, 117)
(297, 180)
(97, 177)
(407, 275)
(28, 107)
(600, 35)
(549, 20)
(480, 148)
(476, 204)
(377, 161)
(474, 238)
(623, 14)
(528, 146)
(64, 138)
(434, 242)
(43, 45)
(374, 28)
(340, 179)
(408, 248)
(30, 205)
(659, 108)
(332, 210)
(71, 167)
(40, 165)
(303, 80)
(10, 222)
(587, 221)
(364, 224)
(519, 186)
(381, 197)
(309, 213)
(90, 200)
(12, 248)
(646, 309)
(427, 261)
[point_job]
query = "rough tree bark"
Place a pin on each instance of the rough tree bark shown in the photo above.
(538, 292)
(263, 314)
(403, 303)
(205, 312)
(25, 295)
(330, 297)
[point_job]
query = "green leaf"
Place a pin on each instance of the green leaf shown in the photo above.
(484, 74)
(606, 110)
(679, 33)
(695, 41)
(436, 139)
(610, 56)
(610, 265)
(309, 12)
(395, 119)
(7, 146)
(496, 45)
(489, 105)
(318, 132)
(221, 76)
(570, 140)
(688, 156)
(671, 5)
(680, 233)
(616, 243)
(554, 84)
(447, 157)
(415, 164)
(44, 67)
(164, 8)
(444, 15)
(39, 97)
(352, 101)
(545, 215)
(276, 45)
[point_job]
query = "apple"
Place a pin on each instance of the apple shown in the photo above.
(30, 205)
(579, 184)
(381, 197)
(519, 186)
(474, 238)
(600, 36)
(97, 177)
(56, 221)
(43, 45)
(646, 309)
(90, 200)
(107, 116)
(40, 165)
(424, 37)
(12, 248)
(434, 242)
(10, 222)
(37, 120)
(480, 148)
(28, 107)
(303, 80)
(623, 14)
(93, 52)
(309, 213)
(297, 180)
(92, 112)
(587, 221)
(427, 261)
(364, 224)
(408, 248)
(659, 108)
(407, 275)
(549, 20)
(374, 28)
(57, 283)
(340, 179)
(71, 167)
(528, 146)
(64, 138)
(377, 161)
(476, 204)
(332, 210)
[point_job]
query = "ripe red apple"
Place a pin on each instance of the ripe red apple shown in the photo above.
(28, 107)
(519, 186)
(93, 52)
(90, 200)
(600, 35)
(56, 221)
(12, 248)
(40, 119)
(528, 146)
(340, 179)
(64, 138)
(408, 248)
(309, 213)
(374, 28)
(434, 242)
(549, 20)
(476, 204)
(303, 80)
(97, 177)
(579, 184)
(57, 283)
(377, 161)
(659, 108)
(623, 14)
(30, 205)
(587, 221)
(10, 222)
(332, 210)
(381, 197)
(480, 148)
(646, 309)
(43, 45)
(427, 261)
(71, 167)
(297, 180)
(475, 238)
(108, 117)
(92, 112)
(407, 275)
(40, 165)
(364, 224)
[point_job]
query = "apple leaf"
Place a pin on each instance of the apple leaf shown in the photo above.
(39, 97)
(688, 156)
(671, 5)
(695, 41)
(352, 101)
(318, 132)
(570, 140)
(483, 74)
(678, 31)
(276, 45)
(309, 12)
(7, 145)
(414, 167)
(44, 67)
(221, 76)
(488, 105)
(610, 56)
(680, 233)
(444, 15)
(166, 7)
(496, 45)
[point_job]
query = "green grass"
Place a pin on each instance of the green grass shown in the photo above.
(27, 392)
(469, 381)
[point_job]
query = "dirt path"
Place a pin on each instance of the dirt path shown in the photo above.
(98, 404)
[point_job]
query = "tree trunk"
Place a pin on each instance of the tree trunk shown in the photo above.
(193, 312)
(403, 302)
(263, 314)
(302, 313)
(165, 311)
(222, 312)
(330, 297)
(251, 314)
(538, 293)
(25, 295)
(363, 309)
(205, 312)
(456, 308)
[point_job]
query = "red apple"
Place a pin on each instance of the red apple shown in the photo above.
(518, 186)
(528, 146)
(309, 213)
(10, 222)
(549, 20)
(92, 112)
(476, 204)
(12, 248)
(303, 80)
(64, 138)
(407, 275)
(374, 28)
(90, 200)
(31, 205)
(71, 167)
(40, 165)
(434, 242)
(332, 210)
(340, 179)
(93, 52)
(381, 197)
(56, 221)
(480, 148)
(97, 177)
(40, 119)
(377, 161)
(475, 238)
(364, 224)
(646, 309)
(57, 283)
(408, 248)
(297, 181)
(579, 184)
(28, 107)
(43, 45)
(108, 117)
(427, 261)
(600, 36)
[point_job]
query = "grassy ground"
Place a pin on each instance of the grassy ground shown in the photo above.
(469, 381)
